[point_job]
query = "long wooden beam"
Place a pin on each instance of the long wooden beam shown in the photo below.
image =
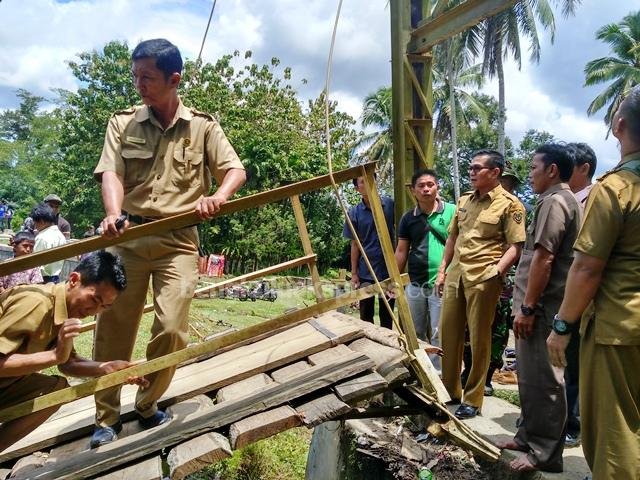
(177, 221)
(306, 245)
(117, 378)
(306, 260)
(437, 29)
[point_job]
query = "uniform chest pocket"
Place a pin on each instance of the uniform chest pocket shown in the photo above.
(137, 165)
(488, 224)
(187, 167)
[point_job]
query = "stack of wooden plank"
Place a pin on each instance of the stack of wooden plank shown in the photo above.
(304, 375)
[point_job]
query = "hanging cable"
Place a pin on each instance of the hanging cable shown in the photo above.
(204, 38)
(354, 234)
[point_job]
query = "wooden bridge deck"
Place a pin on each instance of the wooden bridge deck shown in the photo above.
(304, 375)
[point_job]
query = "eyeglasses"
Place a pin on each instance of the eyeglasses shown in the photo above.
(477, 168)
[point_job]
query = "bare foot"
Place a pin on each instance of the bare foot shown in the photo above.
(522, 464)
(510, 445)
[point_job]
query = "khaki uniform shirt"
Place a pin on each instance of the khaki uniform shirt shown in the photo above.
(555, 226)
(611, 232)
(30, 317)
(483, 224)
(165, 172)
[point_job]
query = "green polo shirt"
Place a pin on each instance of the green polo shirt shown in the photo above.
(425, 250)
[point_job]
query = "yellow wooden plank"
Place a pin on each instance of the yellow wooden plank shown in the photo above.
(306, 245)
(177, 221)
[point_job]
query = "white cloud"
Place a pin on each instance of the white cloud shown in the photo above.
(528, 107)
(38, 36)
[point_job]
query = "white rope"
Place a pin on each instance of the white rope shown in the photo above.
(345, 212)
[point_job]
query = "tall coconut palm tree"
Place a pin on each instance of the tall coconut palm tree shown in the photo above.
(501, 35)
(622, 69)
(378, 145)
(452, 73)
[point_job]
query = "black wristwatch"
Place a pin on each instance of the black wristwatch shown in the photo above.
(561, 327)
(527, 310)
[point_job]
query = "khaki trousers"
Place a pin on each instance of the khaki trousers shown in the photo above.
(170, 261)
(475, 307)
(543, 403)
(609, 403)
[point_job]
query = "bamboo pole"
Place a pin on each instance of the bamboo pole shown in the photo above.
(428, 378)
(306, 246)
(176, 222)
(89, 387)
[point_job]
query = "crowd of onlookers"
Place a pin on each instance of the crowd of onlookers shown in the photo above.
(561, 273)
(44, 228)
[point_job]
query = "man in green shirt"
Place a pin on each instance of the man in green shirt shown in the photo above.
(422, 234)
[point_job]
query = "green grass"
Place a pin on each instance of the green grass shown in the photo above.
(281, 457)
(511, 396)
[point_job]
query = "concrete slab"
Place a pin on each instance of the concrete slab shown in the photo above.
(498, 422)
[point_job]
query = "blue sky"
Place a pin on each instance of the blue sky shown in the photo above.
(38, 36)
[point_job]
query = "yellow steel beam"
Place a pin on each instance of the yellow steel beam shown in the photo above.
(434, 30)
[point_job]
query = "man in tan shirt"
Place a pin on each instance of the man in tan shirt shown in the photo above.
(602, 296)
(37, 326)
(158, 160)
(486, 219)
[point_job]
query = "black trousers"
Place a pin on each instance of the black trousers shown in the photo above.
(367, 307)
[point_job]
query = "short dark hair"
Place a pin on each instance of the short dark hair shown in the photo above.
(583, 153)
(43, 213)
(23, 236)
(558, 154)
(165, 53)
(630, 111)
(355, 180)
(102, 266)
(495, 160)
(421, 172)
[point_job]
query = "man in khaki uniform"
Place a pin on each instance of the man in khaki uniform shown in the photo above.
(158, 160)
(37, 326)
(486, 220)
(539, 286)
(603, 287)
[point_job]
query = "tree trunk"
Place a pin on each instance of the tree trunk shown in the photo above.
(453, 119)
(501, 99)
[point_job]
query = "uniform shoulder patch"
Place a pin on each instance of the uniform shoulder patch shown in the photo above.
(128, 111)
(198, 113)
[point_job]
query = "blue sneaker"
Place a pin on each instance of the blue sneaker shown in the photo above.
(103, 435)
(155, 420)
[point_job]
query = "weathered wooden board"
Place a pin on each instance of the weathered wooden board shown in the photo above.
(285, 373)
(329, 355)
(381, 354)
(27, 465)
(322, 409)
(195, 454)
(263, 425)
(145, 443)
(361, 387)
(150, 469)
(241, 388)
(231, 366)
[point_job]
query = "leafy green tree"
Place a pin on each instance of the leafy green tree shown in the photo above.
(622, 69)
(278, 140)
(378, 144)
(453, 73)
(28, 143)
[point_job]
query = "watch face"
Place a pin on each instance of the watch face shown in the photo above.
(560, 326)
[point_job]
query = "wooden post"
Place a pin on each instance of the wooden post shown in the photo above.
(306, 246)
